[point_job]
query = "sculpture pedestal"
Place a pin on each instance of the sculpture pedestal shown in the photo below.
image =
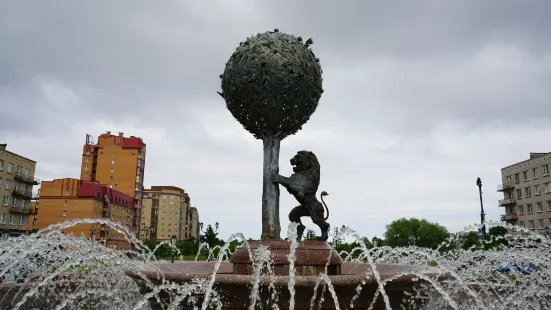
(312, 257)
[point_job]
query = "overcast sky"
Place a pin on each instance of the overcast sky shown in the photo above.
(421, 98)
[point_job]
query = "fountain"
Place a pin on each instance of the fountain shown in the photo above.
(272, 84)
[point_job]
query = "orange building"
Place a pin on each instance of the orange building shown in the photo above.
(118, 163)
(70, 199)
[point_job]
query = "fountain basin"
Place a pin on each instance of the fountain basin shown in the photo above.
(311, 258)
(234, 289)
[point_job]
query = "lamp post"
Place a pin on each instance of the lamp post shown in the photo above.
(92, 234)
(374, 241)
(147, 231)
(482, 214)
(396, 235)
(173, 242)
(216, 225)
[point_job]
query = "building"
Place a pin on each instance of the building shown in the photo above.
(526, 188)
(194, 224)
(71, 199)
(116, 162)
(165, 213)
(16, 185)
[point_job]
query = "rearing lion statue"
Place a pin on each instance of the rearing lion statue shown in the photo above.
(303, 185)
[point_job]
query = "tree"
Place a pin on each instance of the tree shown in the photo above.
(310, 235)
(422, 233)
(210, 237)
(272, 85)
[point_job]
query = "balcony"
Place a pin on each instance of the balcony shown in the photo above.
(19, 193)
(513, 217)
(506, 202)
(19, 210)
(26, 179)
(506, 187)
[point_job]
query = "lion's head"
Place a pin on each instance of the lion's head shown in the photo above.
(304, 161)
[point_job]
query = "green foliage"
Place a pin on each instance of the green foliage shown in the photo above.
(188, 247)
(211, 237)
(422, 233)
(310, 235)
(432, 263)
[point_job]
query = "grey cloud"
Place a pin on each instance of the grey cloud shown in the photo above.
(420, 99)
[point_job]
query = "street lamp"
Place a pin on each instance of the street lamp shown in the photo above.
(482, 214)
(173, 242)
(374, 241)
(147, 231)
(92, 234)
(396, 235)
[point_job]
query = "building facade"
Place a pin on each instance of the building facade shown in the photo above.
(16, 187)
(71, 199)
(165, 211)
(526, 188)
(118, 163)
(194, 229)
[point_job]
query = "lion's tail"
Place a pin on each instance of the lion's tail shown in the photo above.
(324, 193)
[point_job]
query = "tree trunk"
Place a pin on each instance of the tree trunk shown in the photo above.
(270, 191)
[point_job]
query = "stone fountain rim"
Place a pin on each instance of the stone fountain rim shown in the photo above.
(300, 281)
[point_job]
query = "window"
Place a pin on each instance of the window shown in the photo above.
(113, 154)
(111, 177)
(66, 194)
(12, 219)
(10, 167)
(64, 212)
(8, 184)
(22, 203)
(112, 169)
(113, 162)
(14, 202)
(86, 175)
(18, 170)
(529, 207)
(2, 218)
(163, 196)
(511, 209)
(6, 201)
(540, 224)
(86, 168)
(16, 188)
(509, 179)
(536, 172)
(539, 206)
(537, 189)
(517, 178)
(86, 160)
(525, 175)
(519, 193)
(548, 188)
(528, 192)
(531, 224)
(27, 172)
(21, 220)
(521, 224)
(1, 164)
(549, 206)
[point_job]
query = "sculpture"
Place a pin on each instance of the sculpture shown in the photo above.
(272, 84)
(303, 185)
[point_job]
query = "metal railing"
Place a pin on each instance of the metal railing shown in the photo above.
(505, 187)
(509, 217)
(507, 201)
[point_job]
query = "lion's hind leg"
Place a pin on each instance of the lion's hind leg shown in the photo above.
(323, 225)
(294, 217)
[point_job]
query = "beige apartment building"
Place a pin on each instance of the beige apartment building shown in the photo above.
(165, 213)
(16, 185)
(526, 191)
(193, 224)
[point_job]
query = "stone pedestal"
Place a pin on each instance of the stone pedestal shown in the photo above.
(312, 257)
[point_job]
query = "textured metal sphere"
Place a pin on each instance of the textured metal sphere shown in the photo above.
(272, 84)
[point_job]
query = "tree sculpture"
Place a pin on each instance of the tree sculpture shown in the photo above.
(272, 84)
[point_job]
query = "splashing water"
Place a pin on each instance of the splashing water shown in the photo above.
(53, 270)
